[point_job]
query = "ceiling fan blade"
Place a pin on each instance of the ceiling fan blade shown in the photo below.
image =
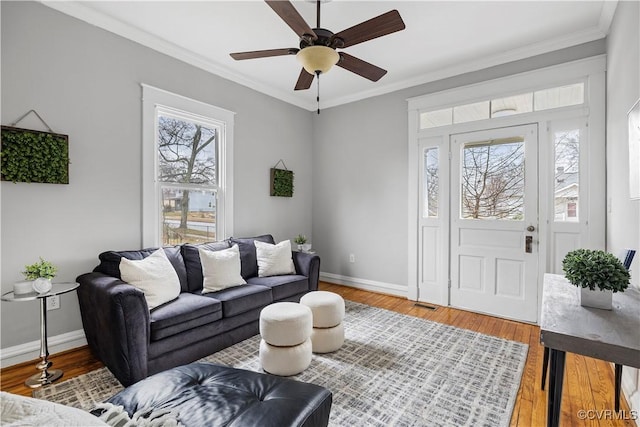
(304, 80)
(360, 67)
(263, 53)
(291, 17)
(379, 26)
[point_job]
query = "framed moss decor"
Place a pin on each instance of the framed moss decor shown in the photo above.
(281, 181)
(34, 156)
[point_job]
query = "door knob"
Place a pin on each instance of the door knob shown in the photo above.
(531, 228)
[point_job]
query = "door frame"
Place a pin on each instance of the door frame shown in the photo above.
(592, 72)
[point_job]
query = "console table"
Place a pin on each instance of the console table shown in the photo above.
(610, 335)
(45, 376)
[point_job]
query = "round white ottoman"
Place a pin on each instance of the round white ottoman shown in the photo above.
(328, 313)
(285, 361)
(285, 328)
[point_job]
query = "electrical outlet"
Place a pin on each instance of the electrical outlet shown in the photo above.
(352, 258)
(53, 303)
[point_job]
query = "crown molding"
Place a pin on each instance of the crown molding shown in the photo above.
(77, 10)
(606, 15)
(480, 64)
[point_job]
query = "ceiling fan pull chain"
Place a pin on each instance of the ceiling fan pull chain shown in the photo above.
(318, 95)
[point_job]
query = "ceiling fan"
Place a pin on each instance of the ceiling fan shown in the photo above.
(317, 51)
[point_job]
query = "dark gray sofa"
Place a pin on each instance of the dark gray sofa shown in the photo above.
(135, 343)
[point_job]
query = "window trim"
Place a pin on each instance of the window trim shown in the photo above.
(153, 100)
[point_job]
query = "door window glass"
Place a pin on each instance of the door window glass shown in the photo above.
(492, 179)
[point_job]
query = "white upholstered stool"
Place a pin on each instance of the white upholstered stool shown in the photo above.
(285, 328)
(328, 313)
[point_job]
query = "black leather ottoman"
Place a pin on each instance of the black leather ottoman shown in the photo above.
(204, 394)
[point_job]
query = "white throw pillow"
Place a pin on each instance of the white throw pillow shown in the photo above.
(274, 260)
(154, 275)
(220, 269)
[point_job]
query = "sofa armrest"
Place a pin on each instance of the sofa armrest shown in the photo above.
(308, 265)
(116, 322)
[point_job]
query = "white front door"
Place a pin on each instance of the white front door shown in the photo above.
(494, 222)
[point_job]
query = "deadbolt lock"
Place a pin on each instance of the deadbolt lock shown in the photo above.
(531, 228)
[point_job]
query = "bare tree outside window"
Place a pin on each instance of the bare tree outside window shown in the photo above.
(493, 180)
(187, 155)
(431, 183)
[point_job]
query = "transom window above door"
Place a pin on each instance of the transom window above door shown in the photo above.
(546, 99)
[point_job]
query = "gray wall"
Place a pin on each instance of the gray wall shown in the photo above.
(360, 174)
(85, 82)
(623, 90)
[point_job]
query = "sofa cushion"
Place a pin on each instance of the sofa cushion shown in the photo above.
(248, 253)
(194, 266)
(110, 262)
(240, 299)
(221, 269)
(274, 260)
(282, 286)
(186, 312)
(154, 276)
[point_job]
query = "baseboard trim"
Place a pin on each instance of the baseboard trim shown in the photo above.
(366, 284)
(630, 388)
(31, 350)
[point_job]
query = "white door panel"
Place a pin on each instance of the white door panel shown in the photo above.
(494, 198)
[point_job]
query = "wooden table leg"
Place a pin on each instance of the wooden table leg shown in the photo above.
(555, 388)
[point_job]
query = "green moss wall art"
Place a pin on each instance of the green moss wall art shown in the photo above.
(281, 182)
(34, 156)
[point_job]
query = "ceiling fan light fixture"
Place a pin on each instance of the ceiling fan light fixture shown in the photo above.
(317, 59)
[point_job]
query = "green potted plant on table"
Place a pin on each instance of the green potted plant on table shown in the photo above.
(301, 241)
(41, 274)
(598, 274)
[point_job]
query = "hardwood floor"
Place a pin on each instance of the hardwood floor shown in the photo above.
(588, 382)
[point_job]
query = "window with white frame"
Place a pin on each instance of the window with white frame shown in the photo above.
(546, 99)
(186, 168)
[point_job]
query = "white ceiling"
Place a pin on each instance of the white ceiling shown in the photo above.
(441, 39)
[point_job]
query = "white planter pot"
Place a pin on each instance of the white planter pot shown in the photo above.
(596, 298)
(42, 285)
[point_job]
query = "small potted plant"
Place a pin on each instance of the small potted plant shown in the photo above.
(300, 240)
(598, 274)
(41, 273)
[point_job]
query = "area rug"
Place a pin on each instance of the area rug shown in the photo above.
(393, 370)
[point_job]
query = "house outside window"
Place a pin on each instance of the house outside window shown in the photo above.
(187, 162)
(567, 175)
